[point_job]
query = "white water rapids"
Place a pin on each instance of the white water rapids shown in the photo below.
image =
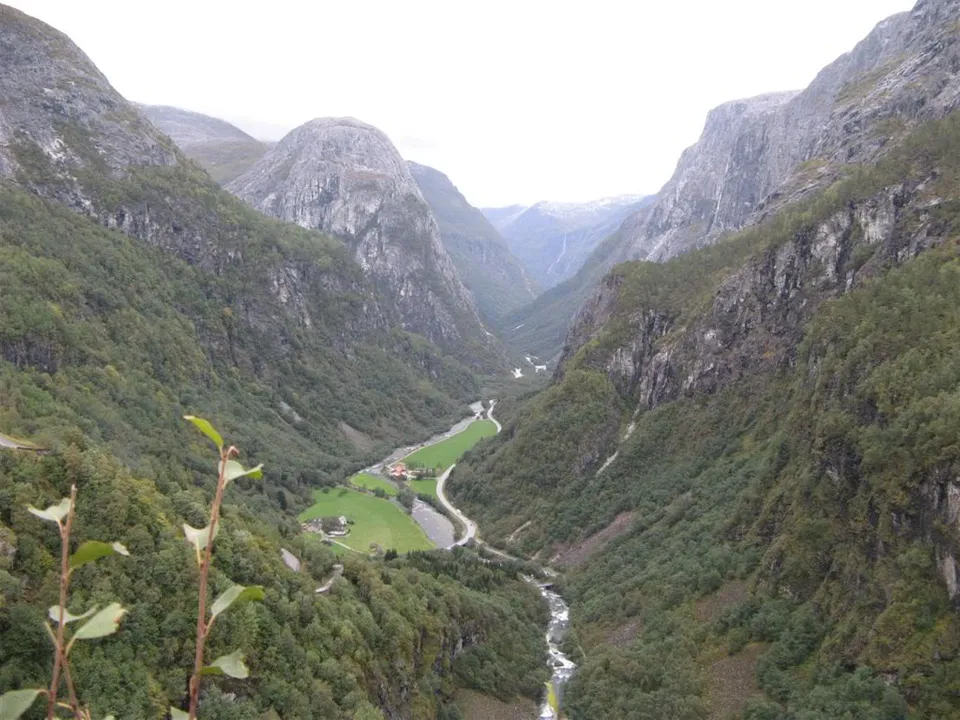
(561, 667)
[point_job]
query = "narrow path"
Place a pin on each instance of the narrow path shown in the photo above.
(334, 576)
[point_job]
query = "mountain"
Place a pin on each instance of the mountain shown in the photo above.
(133, 291)
(486, 265)
(223, 150)
(758, 154)
(345, 177)
(553, 240)
(501, 217)
(540, 328)
(746, 461)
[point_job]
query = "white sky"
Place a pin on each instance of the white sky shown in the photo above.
(516, 101)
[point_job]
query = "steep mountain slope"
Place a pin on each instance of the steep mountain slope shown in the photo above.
(488, 268)
(344, 177)
(133, 290)
(754, 155)
(553, 240)
(282, 306)
(223, 150)
(750, 451)
(758, 155)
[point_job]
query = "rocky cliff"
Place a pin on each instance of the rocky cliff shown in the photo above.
(489, 270)
(758, 155)
(345, 177)
(52, 99)
(755, 155)
(223, 150)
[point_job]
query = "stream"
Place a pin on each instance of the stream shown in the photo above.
(561, 667)
(440, 530)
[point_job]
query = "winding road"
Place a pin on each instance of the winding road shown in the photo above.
(470, 525)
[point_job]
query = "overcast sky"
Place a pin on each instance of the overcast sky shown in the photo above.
(517, 101)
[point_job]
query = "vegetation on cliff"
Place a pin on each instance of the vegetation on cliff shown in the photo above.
(816, 473)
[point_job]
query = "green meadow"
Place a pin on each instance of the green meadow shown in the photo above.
(375, 520)
(371, 482)
(446, 452)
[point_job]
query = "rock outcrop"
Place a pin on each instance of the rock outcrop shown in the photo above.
(756, 155)
(755, 320)
(486, 265)
(54, 102)
(345, 177)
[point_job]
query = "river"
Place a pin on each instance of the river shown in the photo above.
(440, 531)
(561, 667)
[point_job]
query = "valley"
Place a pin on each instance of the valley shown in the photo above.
(721, 476)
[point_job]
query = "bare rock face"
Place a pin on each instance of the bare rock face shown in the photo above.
(757, 314)
(755, 155)
(345, 177)
(55, 101)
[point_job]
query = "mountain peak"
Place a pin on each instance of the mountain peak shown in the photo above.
(345, 177)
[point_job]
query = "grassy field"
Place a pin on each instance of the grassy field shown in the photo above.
(427, 486)
(446, 452)
(375, 520)
(368, 481)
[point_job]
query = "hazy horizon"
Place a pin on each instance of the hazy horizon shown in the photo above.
(516, 104)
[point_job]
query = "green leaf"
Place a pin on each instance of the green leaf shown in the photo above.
(237, 593)
(102, 624)
(15, 703)
(68, 617)
(94, 550)
(178, 714)
(207, 429)
(231, 665)
(54, 513)
(235, 470)
(199, 537)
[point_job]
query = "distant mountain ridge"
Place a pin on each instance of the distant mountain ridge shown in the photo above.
(186, 127)
(554, 239)
(224, 150)
(489, 270)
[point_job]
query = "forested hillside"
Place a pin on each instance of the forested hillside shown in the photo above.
(133, 291)
(767, 432)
